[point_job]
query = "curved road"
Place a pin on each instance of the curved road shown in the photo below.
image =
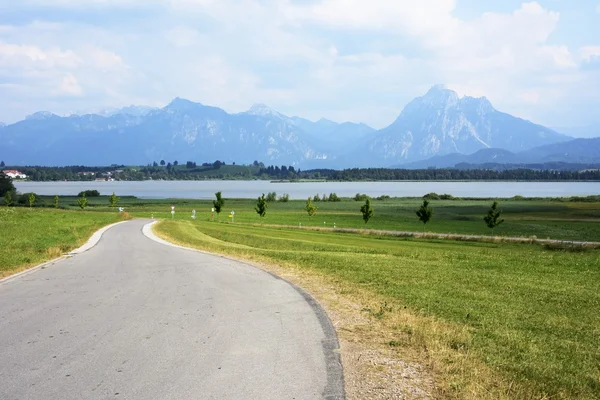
(135, 319)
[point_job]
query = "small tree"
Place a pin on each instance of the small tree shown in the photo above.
(492, 219)
(114, 200)
(82, 202)
(8, 199)
(2, 164)
(261, 205)
(425, 213)
(31, 199)
(56, 201)
(310, 208)
(162, 163)
(218, 203)
(367, 210)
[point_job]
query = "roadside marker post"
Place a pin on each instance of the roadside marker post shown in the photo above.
(232, 216)
(212, 214)
(193, 214)
(172, 211)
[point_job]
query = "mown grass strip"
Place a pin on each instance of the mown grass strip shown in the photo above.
(513, 321)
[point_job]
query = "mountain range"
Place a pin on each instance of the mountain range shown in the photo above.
(438, 124)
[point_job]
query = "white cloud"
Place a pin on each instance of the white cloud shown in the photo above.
(588, 53)
(182, 37)
(70, 86)
(30, 56)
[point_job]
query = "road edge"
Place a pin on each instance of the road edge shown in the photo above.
(335, 388)
(91, 242)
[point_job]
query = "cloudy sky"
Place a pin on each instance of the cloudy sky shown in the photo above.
(357, 60)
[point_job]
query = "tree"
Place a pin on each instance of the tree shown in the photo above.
(492, 219)
(8, 199)
(31, 199)
(2, 164)
(6, 184)
(155, 164)
(56, 201)
(271, 197)
(113, 199)
(367, 210)
(310, 208)
(425, 213)
(175, 163)
(162, 163)
(261, 205)
(82, 202)
(89, 193)
(218, 203)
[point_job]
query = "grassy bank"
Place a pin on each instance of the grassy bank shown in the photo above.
(32, 236)
(489, 320)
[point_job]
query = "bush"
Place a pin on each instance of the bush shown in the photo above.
(333, 197)
(316, 198)
(432, 196)
(284, 198)
(23, 200)
(360, 197)
(383, 197)
(271, 197)
(446, 197)
(89, 193)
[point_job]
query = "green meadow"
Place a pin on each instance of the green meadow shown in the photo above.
(526, 314)
(540, 218)
(32, 236)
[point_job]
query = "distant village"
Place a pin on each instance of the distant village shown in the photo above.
(14, 174)
(97, 176)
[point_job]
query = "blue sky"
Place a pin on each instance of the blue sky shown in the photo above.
(346, 60)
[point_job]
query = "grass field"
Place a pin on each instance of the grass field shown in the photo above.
(31, 236)
(523, 218)
(490, 320)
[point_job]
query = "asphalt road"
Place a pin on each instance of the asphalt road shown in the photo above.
(135, 319)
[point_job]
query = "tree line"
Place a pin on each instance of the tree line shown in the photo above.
(219, 170)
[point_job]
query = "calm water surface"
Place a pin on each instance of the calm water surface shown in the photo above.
(253, 189)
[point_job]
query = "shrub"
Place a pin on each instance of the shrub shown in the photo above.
(432, 196)
(284, 198)
(383, 197)
(271, 197)
(446, 197)
(89, 193)
(360, 197)
(25, 198)
(316, 198)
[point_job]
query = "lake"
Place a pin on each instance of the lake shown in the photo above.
(302, 190)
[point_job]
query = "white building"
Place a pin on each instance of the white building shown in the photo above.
(14, 174)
